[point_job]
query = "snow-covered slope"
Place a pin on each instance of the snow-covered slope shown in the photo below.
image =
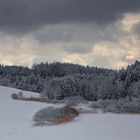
(16, 123)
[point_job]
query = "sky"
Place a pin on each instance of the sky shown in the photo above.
(103, 33)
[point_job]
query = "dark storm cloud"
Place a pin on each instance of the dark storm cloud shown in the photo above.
(77, 38)
(23, 15)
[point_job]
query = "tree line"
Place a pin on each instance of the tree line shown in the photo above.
(59, 80)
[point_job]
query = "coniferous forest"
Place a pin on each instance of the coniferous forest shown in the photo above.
(60, 80)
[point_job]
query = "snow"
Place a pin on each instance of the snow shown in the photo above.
(16, 123)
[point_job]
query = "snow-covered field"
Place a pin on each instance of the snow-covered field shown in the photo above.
(16, 123)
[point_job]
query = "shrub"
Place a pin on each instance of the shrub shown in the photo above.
(120, 106)
(20, 94)
(14, 96)
(102, 104)
(70, 103)
(52, 115)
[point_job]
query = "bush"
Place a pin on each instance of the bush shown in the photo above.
(20, 95)
(102, 104)
(127, 107)
(52, 114)
(70, 103)
(14, 96)
(120, 106)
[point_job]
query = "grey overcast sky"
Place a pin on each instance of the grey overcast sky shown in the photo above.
(104, 33)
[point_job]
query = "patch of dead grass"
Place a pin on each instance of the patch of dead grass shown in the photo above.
(42, 100)
(69, 118)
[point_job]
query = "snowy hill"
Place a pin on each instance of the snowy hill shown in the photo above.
(16, 123)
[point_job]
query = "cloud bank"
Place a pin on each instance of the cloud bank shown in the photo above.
(88, 32)
(25, 15)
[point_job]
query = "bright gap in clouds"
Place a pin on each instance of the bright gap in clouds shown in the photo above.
(113, 46)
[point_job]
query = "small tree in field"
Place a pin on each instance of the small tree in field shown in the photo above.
(14, 96)
(20, 95)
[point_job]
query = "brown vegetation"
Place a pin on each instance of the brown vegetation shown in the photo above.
(35, 99)
(53, 115)
(72, 114)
